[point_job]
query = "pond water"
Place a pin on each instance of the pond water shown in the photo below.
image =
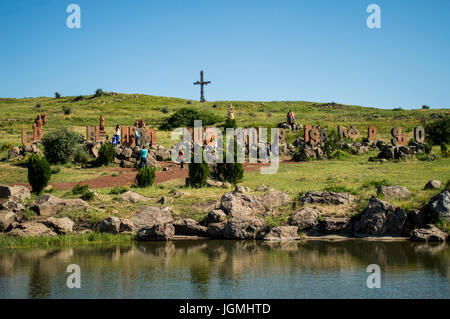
(229, 269)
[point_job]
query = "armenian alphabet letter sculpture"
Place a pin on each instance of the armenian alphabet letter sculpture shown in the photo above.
(40, 120)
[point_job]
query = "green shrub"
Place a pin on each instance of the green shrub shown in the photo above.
(198, 173)
(67, 110)
(444, 150)
(165, 109)
(6, 146)
(81, 156)
(376, 183)
(57, 95)
(78, 98)
(88, 195)
(428, 148)
(145, 176)
(106, 154)
(60, 146)
(425, 107)
(228, 172)
(118, 190)
(230, 123)
(80, 189)
(99, 92)
(55, 170)
(438, 132)
(339, 155)
(39, 173)
(185, 117)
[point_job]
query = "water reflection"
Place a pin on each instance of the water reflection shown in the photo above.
(241, 269)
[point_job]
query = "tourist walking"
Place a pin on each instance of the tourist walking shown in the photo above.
(144, 153)
(136, 136)
(181, 158)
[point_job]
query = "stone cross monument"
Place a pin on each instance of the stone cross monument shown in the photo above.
(202, 83)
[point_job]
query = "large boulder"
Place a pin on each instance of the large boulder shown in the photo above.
(381, 218)
(114, 225)
(215, 230)
(250, 227)
(14, 193)
(6, 219)
(152, 215)
(428, 233)
(31, 229)
(274, 199)
(237, 204)
(283, 233)
(334, 225)
(440, 205)
(60, 225)
(327, 198)
(433, 184)
(215, 216)
(11, 205)
(306, 219)
(162, 154)
(48, 205)
(133, 197)
(189, 226)
(395, 192)
(156, 232)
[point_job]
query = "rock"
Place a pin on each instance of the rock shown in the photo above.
(263, 188)
(14, 152)
(328, 198)
(11, 205)
(215, 216)
(381, 218)
(108, 225)
(156, 232)
(416, 218)
(126, 225)
(31, 229)
(133, 197)
(162, 154)
(306, 219)
(274, 199)
(213, 183)
(333, 225)
(127, 152)
(440, 205)
(189, 226)
(164, 200)
(239, 204)
(397, 192)
(59, 225)
(126, 164)
(241, 189)
(433, 184)
(283, 233)
(48, 205)
(151, 215)
(14, 193)
(6, 219)
(428, 233)
(95, 148)
(215, 230)
(250, 227)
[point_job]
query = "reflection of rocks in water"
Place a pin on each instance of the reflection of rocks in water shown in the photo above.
(430, 249)
(285, 246)
(39, 281)
(157, 249)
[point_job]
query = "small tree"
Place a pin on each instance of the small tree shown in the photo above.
(57, 95)
(228, 172)
(106, 153)
(99, 92)
(145, 177)
(60, 146)
(425, 107)
(198, 173)
(39, 173)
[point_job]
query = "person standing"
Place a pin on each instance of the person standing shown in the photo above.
(136, 136)
(117, 136)
(144, 153)
(181, 158)
(268, 152)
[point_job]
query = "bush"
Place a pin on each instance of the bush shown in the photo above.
(88, 195)
(6, 146)
(106, 154)
(185, 117)
(228, 172)
(444, 150)
(376, 183)
(39, 173)
(198, 173)
(38, 105)
(425, 107)
(165, 109)
(339, 155)
(81, 156)
(438, 132)
(80, 189)
(428, 148)
(60, 146)
(118, 190)
(67, 110)
(145, 176)
(99, 92)
(57, 95)
(55, 170)
(230, 123)
(78, 98)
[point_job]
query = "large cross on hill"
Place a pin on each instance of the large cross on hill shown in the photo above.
(202, 83)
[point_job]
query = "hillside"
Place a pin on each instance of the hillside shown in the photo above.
(123, 109)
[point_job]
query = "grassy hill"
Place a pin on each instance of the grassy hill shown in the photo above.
(124, 109)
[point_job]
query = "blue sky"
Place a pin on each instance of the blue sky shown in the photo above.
(251, 50)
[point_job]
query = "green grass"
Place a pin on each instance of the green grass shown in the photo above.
(7, 241)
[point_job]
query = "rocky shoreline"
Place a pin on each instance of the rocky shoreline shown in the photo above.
(239, 215)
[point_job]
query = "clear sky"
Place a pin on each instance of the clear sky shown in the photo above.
(260, 50)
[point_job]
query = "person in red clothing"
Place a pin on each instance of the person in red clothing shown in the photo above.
(181, 158)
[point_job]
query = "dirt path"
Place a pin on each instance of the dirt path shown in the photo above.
(127, 176)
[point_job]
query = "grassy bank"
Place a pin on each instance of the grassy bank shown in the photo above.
(7, 241)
